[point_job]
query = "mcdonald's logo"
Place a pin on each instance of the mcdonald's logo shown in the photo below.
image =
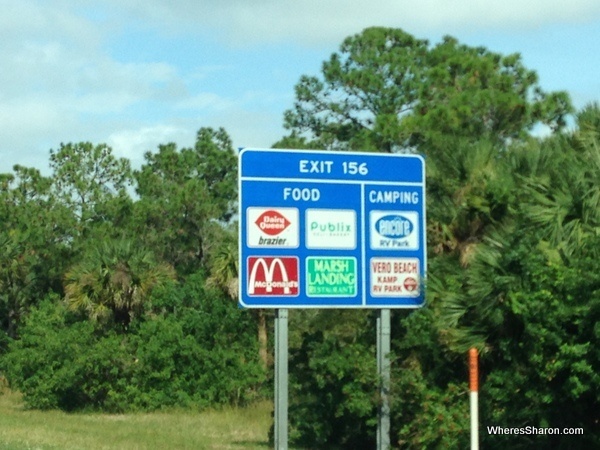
(273, 275)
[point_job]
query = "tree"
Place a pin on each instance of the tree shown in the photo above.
(224, 270)
(17, 282)
(471, 188)
(387, 91)
(563, 197)
(469, 110)
(32, 241)
(533, 317)
(184, 194)
(473, 92)
(114, 280)
(529, 295)
(86, 176)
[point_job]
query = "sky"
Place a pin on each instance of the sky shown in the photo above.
(138, 73)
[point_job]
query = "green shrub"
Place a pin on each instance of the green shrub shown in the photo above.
(333, 382)
(66, 364)
(190, 348)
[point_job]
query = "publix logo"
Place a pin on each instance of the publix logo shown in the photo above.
(394, 226)
(330, 228)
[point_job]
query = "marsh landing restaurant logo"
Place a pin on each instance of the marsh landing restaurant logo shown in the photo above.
(272, 227)
(273, 276)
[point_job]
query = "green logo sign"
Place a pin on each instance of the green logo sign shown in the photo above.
(331, 277)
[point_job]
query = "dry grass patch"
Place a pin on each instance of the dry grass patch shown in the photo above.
(229, 428)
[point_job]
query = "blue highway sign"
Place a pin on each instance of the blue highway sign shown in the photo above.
(331, 229)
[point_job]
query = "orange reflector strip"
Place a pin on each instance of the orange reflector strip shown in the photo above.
(473, 370)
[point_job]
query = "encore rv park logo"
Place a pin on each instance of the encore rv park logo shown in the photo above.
(272, 227)
(394, 230)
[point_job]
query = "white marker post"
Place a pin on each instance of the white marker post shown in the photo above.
(473, 396)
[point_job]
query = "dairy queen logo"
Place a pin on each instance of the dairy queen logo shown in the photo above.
(272, 227)
(273, 276)
(272, 222)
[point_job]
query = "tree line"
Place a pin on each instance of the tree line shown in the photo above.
(118, 286)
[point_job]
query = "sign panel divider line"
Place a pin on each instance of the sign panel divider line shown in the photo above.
(331, 181)
(363, 244)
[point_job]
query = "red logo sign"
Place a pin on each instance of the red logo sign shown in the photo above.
(272, 222)
(410, 284)
(273, 275)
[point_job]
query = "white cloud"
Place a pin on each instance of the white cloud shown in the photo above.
(205, 101)
(320, 22)
(135, 142)
(257, 129)
(59, 81)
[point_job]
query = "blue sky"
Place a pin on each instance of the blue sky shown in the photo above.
(138, 73)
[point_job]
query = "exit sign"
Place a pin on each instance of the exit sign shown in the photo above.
(331, 229)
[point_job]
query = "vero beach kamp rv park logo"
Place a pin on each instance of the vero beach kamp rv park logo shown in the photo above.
(273, 276)
(272, 227)
(391, 277)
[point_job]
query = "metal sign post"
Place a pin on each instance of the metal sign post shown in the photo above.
(281, 379)
(383, 371)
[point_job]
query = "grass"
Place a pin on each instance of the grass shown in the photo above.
(228, 428)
